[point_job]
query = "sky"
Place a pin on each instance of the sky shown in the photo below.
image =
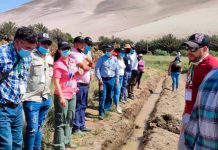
(6, 5)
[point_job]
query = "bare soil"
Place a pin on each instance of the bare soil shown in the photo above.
(162, 131)
(116, 129)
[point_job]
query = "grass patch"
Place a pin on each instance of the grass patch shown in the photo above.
(161, 63)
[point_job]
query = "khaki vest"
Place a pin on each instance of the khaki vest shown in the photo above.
(41, 72)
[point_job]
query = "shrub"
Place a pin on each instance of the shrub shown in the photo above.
(160, 52)
(214, 53)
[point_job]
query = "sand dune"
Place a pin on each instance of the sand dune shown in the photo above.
(134, 19)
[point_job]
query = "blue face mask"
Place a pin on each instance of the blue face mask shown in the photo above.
(108, 54)
(132, 51)
(24, 53)
(65, 53)
(43, 50)
(122, 54)
(87, 49)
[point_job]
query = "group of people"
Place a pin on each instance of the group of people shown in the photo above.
(26, 72)
(117, 72)
(199, 121)
(27, 69)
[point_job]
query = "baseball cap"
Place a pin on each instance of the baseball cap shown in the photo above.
(88, 41)
(79, 39)
(44, 37)
(197, 40)
(107, 47)
(64, 45)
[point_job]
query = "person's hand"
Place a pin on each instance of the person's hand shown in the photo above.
(100, 82)
(63, 102)
(101, 87)
(80, 71)
(92, 77)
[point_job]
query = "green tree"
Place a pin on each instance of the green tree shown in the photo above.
(69, 38)
(104, 41)
(39, 27)
(8, 29)
(57, 35)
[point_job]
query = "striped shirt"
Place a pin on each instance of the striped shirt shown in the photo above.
(11, 89)
(201, 132)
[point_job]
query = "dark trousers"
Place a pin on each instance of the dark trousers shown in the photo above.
(132, 83)
(81, 105)
(139, 78)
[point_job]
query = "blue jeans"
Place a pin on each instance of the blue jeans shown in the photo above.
(35, 114)
(118, 91)
(126, 80)
(11, 127)
(175, 77)
(81, 104)
(106, 95)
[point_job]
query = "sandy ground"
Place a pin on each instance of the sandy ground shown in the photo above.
(170, 103)
(114, 131)
(134, 19)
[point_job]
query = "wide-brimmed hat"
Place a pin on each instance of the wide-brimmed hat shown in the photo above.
(127, 46)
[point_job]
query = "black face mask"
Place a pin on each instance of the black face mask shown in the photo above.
(127, 50)
(79, 50)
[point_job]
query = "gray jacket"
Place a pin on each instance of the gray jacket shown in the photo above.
(41, 72)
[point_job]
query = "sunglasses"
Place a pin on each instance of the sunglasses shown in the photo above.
(191, 49)
(46, 43)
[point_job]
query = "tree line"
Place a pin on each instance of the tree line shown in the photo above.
(168, 43)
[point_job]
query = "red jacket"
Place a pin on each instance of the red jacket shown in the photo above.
(200, 71)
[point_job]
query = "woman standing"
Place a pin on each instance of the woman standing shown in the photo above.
(174, 70)
(141, 67)
(122, 66)
(64, 97)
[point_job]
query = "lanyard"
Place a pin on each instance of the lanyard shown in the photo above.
(70, 71)
(191, 73)
(19, 69)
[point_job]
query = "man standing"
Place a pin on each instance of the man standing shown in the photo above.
(85, 64)
(127, 72)
(38, 92)
(14, 70)
(201, 63)
(201, 131)
(134, 74)
(107, 73)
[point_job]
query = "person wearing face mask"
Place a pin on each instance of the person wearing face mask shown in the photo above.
(127, 72)
(134, 74)
(201, 63)
(141, 67)
(14, 72)
(38, 92)
(107, 74)
(64, 72)
(84, 63)
(122, 66)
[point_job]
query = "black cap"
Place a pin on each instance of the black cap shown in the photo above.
(44, 37)
(107, 47)
(79, 39)
(64, 45)
(197, 40)
(88, 41)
